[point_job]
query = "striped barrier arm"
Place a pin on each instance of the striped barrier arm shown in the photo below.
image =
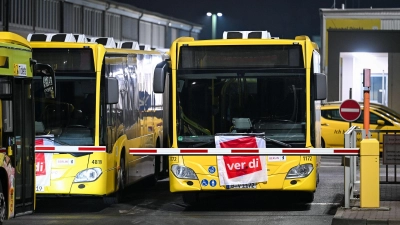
(245, 151)
(66, 149)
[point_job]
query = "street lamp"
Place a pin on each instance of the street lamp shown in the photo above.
(214, 22)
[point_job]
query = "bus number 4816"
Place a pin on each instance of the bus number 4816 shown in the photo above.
(97, 161)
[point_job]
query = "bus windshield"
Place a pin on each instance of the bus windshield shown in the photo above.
(253, 102)
(241, 89)
(69, 118)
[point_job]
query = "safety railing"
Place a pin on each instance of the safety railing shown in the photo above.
(350, 167)
(388, 172)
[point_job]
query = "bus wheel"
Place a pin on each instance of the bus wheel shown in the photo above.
(122, 175)
(3, 205)
(121, 179)
(157, 167)
(110, 200)
(190, 198)
(307, 197)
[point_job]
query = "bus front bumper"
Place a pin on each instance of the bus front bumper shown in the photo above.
(207, 182)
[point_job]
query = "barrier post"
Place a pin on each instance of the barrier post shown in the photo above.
(369, 173)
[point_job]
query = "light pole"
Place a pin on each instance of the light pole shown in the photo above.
(214, 23)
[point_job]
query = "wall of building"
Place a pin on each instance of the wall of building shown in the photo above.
(359, 41)
(94, 18)
(353, 64)
(394, 81)
(359, 30)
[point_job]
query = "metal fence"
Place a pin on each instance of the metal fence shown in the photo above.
(388, 172)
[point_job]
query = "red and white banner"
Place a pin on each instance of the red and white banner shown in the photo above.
(241, 169)
(43, 162)
(44, 141)
(43, 170)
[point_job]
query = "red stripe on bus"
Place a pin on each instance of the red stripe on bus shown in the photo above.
(43, 148)
(91, 149)
(345, 151)
(143, 150)
(295, 151)
(245, 151)
(194, 150)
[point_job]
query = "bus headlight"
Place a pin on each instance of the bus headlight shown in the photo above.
(183, 172)
(300, 171)
(88, 175)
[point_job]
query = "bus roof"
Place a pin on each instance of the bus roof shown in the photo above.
(192, 41)
(15, 55)
(12, 38)
(97, 55)
(43, 44)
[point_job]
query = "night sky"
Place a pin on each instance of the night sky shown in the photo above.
(282, 18)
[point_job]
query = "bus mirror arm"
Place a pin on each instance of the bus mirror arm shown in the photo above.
(160, 73)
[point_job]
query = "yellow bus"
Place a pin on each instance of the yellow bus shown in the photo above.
(17, 137)
(245, 90)
(104, 105)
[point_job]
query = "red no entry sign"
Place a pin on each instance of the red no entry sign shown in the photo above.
(350, 110)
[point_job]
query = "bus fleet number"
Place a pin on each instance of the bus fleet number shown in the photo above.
(39, 188)
(95, 161)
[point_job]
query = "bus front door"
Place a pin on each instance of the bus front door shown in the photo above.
(24, 133)
(17, 135)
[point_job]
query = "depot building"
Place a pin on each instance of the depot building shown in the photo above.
(356, 39)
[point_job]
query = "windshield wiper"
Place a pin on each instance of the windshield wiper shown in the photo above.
(263, 119)
(53, 139)
(280, 143)
(202, 144)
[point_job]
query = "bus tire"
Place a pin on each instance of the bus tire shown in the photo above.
(3, 205)
(190, 198)
(117, 197)
(157, 167)
(110, 200)
(121, 180)
(307, 197)
(122, 175)
(165, 164)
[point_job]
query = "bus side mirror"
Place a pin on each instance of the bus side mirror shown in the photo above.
(48, 79)
(320, 86)
(112, 90)
(160, 73)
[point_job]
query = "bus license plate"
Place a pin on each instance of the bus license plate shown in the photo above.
(242, 186)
